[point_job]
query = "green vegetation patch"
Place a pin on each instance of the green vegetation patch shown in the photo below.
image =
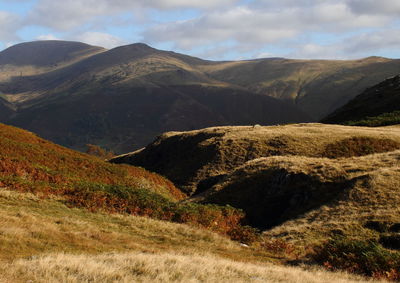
(385, 119)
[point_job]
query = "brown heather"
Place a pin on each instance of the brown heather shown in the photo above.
(31, 164)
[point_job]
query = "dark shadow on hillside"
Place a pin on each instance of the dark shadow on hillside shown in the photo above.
(272, 197)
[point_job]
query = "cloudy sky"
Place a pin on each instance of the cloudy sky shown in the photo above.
(214, 29)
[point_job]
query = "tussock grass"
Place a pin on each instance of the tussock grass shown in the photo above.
(31, 226)
(163, 267)
(323, 196)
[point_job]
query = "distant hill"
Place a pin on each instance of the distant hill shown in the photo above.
(317, 87)
(122, 98)
(48, 53)
(125, 118)
(377, 106)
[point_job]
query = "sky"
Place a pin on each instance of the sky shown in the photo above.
(214, 29)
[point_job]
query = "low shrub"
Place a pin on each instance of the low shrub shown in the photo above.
(361, 257)
(280, 247)
(99, 151)
(119, 199)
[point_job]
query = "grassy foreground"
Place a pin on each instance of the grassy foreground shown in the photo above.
(42, 240)
(167, 267)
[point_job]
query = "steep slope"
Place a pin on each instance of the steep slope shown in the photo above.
(5, 110)
(317, 87)
(215, 152)
(318, 197)
(381, 99)
(30, 163)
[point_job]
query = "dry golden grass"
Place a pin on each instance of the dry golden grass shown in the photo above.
(160, 267)
(219, 150)
(365, 188)
(44, 241)
(31, 226)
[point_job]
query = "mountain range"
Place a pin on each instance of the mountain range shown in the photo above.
(75, 94)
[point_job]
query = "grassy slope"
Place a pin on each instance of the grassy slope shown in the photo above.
(311, 199)
(43, 237)
(312, 180)
(45, 241)
(30, 163)
(217, 151)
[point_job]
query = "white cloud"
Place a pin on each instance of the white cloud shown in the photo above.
(239, 28)
(192, 4)
(64, 15)
(47, 37)
(239, 24)
(257, 26)
(9, 24)
(264, 55)
(375, 6)
(100, 39)
(358, 46)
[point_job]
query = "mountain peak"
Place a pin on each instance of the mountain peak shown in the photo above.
(139, 46)
(46, 52)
